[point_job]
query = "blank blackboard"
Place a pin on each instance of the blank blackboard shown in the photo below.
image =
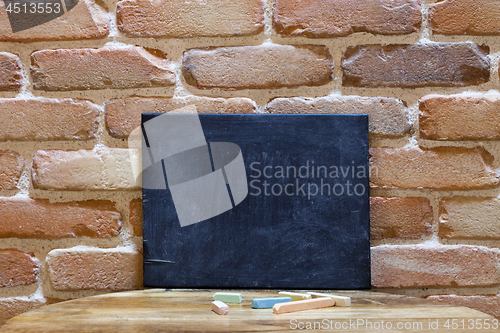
(281, 235)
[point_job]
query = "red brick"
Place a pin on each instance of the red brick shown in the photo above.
(17, 268)
(124, 115)
(465, 17)
(48, 119)
(98, 169)
(406, 266)
(332, 18)
(96, 269)
(404, 218)
(11, 307)
(388, 116)
(175, 18)
(10, 72)
(460, 117)
(11, 168)
(135, 217)
(416, 65)
(38, 218)
(87, 20)
(469, 218)
(105, 68)
(258, 67)
(489, 304)
(442, 168)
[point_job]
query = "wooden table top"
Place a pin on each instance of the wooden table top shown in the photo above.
(190, 311)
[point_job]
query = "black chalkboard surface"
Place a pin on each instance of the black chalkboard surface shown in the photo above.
(304, 223)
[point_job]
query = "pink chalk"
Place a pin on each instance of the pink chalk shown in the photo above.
(220, 308)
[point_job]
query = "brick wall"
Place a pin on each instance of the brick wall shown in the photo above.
(72, 90)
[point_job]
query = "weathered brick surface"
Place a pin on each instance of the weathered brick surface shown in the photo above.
(11, 168)
(428, 266)
(404, 218)
(11, 307)
(108, 67)
(87, 20)
(388, 116)
(416, 65)
(443, 168)
(465, 17)
(258, 67)
(182, 18)
(489, 304)
(10, 72)
(124, 115)
(460, 117)
(95, 269)
(17, 268)
(135, 217)
(98, 169)
(469, 218)
(37, 218)
(331, 18)
(48, 119)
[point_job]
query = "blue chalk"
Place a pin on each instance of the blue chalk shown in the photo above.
(267, 303)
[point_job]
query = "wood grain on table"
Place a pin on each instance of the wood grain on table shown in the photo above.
(190, 311)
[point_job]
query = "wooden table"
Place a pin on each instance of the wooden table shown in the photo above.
(190, 311)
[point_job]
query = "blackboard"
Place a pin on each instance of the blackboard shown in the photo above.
(271, 239)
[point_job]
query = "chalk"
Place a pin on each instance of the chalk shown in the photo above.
(307, 304)
(220, 308)
(294, 296)
(267, 303)
(339, 300)
(228, 297)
